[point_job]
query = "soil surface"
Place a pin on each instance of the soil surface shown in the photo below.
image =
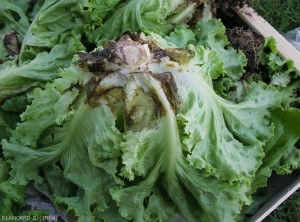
(249, 42)
(240, 36)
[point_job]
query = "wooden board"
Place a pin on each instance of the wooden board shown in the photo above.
(277, 199)
(285, 49)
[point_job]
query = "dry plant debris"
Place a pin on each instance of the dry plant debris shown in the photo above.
(247, 41)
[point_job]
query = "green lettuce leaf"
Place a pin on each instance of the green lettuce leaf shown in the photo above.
(280, 73)
(284, 141)
(281, 155)
(14, 18)
(47, 30)
(15, 80)
(6, 205)
(72, 154)
(139, 15)
(211, 34)
(280, 147)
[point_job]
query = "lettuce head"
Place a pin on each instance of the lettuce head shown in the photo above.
(126, 113)
(136, 126)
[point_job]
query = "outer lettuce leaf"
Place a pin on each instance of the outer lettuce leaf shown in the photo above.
(3, 52)
(211, 34)
(9, 193)
(14, 18)
(242, 131)
(25, 162)
(15, 80)
(10, 115)
(92, 182)
(181, 36)
(39, 110)
(288, 162)
(4, 128)
(14, 192)
(275, 72)
(139, 15)
(283, 142)
(47, 29)
(43, 105)
(281, 155)
(6, 205)
(239, 141)
(96, 12)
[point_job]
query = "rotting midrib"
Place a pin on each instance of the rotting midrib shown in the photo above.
(173, 146)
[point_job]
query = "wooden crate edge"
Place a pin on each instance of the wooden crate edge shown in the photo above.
(285, 49)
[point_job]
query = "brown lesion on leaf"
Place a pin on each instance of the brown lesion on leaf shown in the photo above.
(159, 53)
(95, 61)
(11, 44)
(143, 110)
(169, 87)
(93, 92)
(157, 105)
(125, 50)
(73, 86)
(91, 86)
(179, 55)
(91, 96)
(129, 117)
